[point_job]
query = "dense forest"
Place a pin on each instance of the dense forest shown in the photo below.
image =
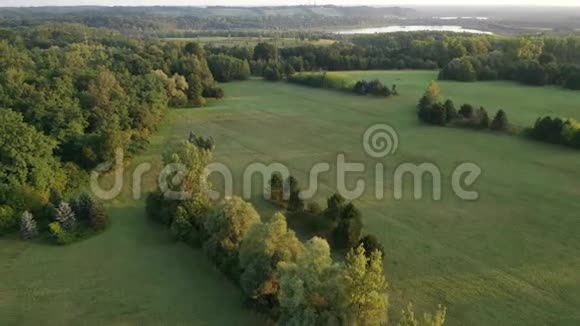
(71, 95)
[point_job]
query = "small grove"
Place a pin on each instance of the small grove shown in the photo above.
(432, 110)
(333, 81)
(293, 282)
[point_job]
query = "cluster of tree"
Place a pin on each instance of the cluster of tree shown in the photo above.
(295, 282)
(71, 96)
(530, 60)
(227, 68)
(59, 221)
(433, 110)
(533, 61)
(374, 87)
(335, 81)
(556, 131)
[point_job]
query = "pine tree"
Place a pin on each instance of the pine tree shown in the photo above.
(66, 217)
(500, 121)
(483, 119)
(450, 111)
(28, 228)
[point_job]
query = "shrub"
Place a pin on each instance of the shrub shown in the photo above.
(159, 209)
(314, 208)
(467, 111)
(8, 220)
(213, 92)
(272, 73)
(181, 227)
(99, 220)
(59, 235)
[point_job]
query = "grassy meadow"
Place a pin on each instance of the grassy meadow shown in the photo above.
(511, 257)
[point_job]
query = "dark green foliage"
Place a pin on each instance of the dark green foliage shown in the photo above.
(207, 144)
(371, 244)
(308, 79)
(467, 111)
(226, 68)
(265, 51)
(483, 118)
(98, 218)
(314, 208)
(276, 188)
(335, 205)
(556, 131)
(55, 197)
(500, 121)
(349, 229)
(81, 207)
(450, 111)
(159, 209)
(8, 220)
(181, 227)
(531, 73)
(571, 76)
(460, 69)
(272, 73)
(213, 92)
(374, 87)
(295, 202)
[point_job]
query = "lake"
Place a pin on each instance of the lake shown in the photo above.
(394, 29)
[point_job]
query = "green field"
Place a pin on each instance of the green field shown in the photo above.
(249, 41)
(512, 257)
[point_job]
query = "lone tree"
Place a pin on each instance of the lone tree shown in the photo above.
(65, 216)
(500, 121)
(28, 228)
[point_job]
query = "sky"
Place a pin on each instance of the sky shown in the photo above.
(26, 3)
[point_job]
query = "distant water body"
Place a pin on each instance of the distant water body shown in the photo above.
(394, 29)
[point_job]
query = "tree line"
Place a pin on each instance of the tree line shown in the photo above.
(71, 95)
(335, 81)
(536, 61)
(293, 282)
(554, 130)
(541, 60)
(432, 110)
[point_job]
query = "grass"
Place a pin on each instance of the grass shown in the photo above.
(250, 41)
(512, 257)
